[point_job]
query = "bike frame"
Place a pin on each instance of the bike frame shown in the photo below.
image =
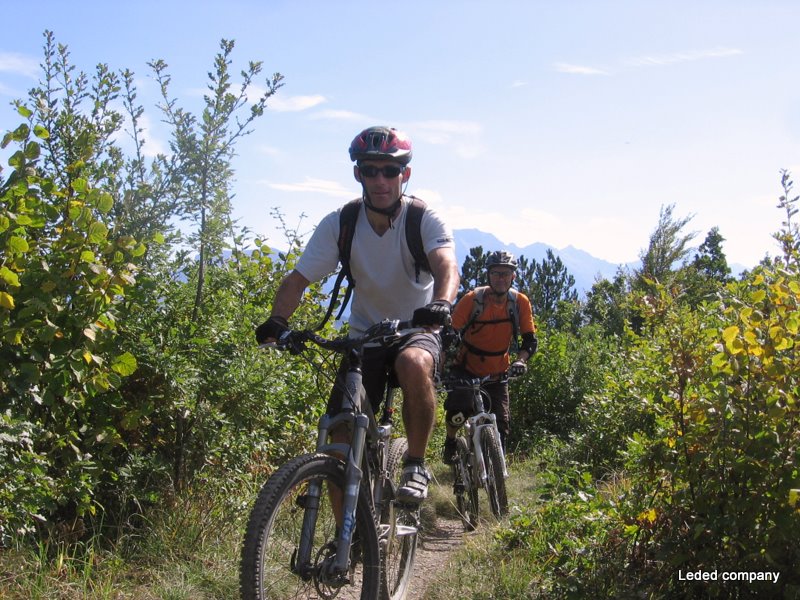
(473, 427)
(357, 414)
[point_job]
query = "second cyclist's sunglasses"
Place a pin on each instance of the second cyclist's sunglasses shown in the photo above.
(389, 171)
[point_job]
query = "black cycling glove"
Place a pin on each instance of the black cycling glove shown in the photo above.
(272, 328)
(435, 313)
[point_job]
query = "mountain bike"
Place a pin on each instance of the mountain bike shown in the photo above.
(480, 461)
(327, 524)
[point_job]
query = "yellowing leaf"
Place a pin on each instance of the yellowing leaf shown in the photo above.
(648, 515)
(9, 277)
(730, 336)
(6, 300)
(730, 333)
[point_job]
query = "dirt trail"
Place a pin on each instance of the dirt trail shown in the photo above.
(442, 535)
(433, 554)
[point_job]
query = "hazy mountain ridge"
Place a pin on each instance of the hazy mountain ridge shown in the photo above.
(584, 267)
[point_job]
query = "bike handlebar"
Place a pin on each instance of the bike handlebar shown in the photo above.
(454, 383)
(381, 333)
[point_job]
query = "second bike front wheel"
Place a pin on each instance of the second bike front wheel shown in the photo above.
(270, 568)
(495, 479)
(466, 488)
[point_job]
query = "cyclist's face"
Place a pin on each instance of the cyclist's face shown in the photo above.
(382, 179)
(500, 279)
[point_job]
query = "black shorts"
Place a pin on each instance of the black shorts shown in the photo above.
(458, 403)
(377, 368)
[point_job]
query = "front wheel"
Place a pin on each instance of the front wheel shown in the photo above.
(398, 532)
(495, 479)
(465, 487)
(271, 567)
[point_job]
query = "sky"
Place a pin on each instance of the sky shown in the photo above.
(570, 123)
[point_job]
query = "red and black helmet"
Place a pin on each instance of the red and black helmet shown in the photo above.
(381, 143)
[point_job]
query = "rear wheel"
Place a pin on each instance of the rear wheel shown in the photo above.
(495, 479)
(271, 568)
(397, 532)
(465, 487)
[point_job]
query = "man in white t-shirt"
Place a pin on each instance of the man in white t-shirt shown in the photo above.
(387, 288)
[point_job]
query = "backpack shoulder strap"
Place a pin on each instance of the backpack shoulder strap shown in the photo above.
(513, 313)
(477, 307)
(416, 209)
(348, 216)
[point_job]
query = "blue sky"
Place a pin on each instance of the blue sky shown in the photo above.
(567, 123)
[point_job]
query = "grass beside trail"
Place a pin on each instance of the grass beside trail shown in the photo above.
(190, 551)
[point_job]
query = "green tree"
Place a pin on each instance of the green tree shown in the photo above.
(64, 274)
(666, 249)
(789, 236)
(552, 285)
(606, 304)
(473, 270)
(708, 271)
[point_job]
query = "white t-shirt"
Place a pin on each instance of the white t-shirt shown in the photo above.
(385, 287)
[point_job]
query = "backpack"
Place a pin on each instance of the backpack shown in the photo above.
(347, 228)
(477, 308)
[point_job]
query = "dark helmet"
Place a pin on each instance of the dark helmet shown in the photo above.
(500, 258)
(381, 142)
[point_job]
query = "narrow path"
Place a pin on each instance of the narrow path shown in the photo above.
(433, 554)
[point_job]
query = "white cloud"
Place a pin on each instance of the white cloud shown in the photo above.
(294, 103)
(268, 150)
(315, 186)
(681, 57)
(650, 61)
(19, 64)
(463, 137)
(7, 91)
(341, 115)
(518, 83)
(579, 69)
(153, 144)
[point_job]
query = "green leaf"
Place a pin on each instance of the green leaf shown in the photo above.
(32, 151)
(125, 364)
(41, 132)
(9, 277)
(80, 185)
(105, 202)
(97, 232)
(24, 111)
(18, 244)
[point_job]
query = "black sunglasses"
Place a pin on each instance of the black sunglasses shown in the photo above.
(389, 171)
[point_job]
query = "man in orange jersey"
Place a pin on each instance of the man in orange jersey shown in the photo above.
(489, 319)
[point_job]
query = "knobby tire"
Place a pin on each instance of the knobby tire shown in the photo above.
(398, 537)
(467, 492)
(495, 480)
(274, 529)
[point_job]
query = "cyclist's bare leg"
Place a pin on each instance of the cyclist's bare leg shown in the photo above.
(414, 369)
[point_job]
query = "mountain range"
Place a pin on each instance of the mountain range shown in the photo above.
(584, 267)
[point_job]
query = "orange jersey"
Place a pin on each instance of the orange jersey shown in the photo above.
(488, 336)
